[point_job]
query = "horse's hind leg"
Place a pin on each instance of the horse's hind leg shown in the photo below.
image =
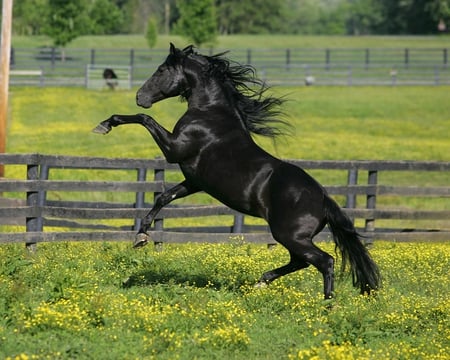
(293, 265)
(304, 252)
(310, 253)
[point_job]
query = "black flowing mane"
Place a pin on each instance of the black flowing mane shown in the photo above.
(257, 109)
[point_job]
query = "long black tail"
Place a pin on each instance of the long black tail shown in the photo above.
(365, 272)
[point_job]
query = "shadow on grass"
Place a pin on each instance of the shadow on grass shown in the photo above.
(149, 277)
(172, 277)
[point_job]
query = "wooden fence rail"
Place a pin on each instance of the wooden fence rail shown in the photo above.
(26, 205)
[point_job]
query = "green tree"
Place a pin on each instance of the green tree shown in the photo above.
(301, 17)
(250, 16)
(105, 17)
(363, 16)
(413, 16)
(197, 21)
(29, 16)
(151, 33)
(67, 20)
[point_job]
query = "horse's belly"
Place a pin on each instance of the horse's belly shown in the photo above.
(241, 186)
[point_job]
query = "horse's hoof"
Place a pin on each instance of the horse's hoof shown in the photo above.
(101, 129)
(140, 240)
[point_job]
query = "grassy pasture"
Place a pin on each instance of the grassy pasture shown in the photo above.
(408, 123)
(104, 301)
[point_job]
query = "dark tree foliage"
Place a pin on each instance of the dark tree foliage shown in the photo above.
(197, 21)
(65, 19)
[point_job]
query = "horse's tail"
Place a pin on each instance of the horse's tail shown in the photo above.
(365, 273)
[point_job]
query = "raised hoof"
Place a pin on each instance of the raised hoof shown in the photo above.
(101, 129)
(140, 240)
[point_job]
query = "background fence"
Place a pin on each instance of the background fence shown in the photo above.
(38, 208)
(379, 66)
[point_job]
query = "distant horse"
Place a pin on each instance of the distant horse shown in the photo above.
(111, 78)
(213, 146)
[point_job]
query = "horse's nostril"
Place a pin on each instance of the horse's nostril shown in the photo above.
(143, 101)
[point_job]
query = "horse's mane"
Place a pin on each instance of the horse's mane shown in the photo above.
(257, 109)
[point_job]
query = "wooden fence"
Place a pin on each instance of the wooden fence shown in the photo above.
(30, 215)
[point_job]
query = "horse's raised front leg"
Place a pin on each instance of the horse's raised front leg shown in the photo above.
(178, 191)
(174, 149)
(115, 120)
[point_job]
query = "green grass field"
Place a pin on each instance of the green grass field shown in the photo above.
(107, 301)
(346, 123)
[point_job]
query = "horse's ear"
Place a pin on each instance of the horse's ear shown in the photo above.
(172, 49)
(188, 50)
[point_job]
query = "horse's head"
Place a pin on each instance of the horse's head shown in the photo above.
(169, 80)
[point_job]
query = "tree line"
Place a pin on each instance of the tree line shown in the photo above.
(202, 20)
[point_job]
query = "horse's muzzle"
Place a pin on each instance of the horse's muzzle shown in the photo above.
(143, 100)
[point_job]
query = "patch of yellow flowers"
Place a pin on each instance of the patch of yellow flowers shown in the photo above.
(217, 316)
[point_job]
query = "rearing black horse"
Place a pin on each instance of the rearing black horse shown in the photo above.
(213, 145)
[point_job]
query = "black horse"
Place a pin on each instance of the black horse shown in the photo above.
(213, 145)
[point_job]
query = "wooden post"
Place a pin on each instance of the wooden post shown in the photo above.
(32, 223)
(238, 224)
(327, 58)
(140, 197)
(5, 54)
(367, 58)
(352, 179)
(159, 175)
(371, 204)
(288, 58)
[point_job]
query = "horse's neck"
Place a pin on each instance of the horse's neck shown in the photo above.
(210, 93)
(219, 103)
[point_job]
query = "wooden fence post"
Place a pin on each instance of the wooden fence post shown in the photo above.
(367, 61)
(406, 58)
(42, 195)
(132, 57)
(32, 223)
(436, 75)
(249, 56)
(140, 197)
(352, 179)
(238, 223)
(371, 204)
(159, 175)
(327, 58)
(53, 57)
(288, 58)
(92, 56)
